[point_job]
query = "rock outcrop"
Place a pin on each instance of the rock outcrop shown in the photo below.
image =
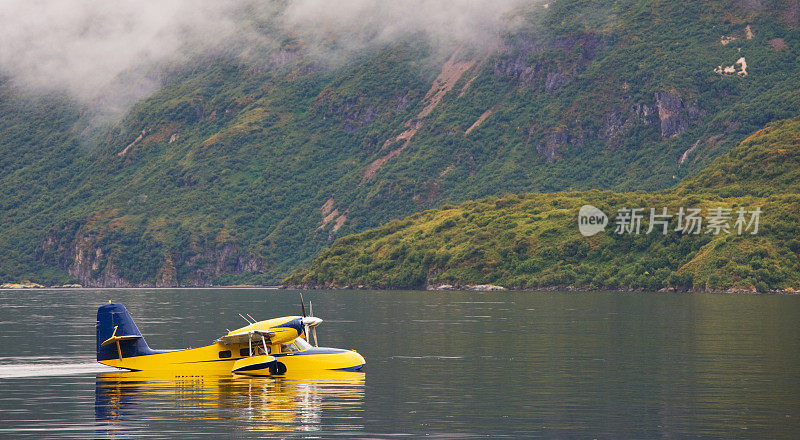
(96, 262)
(673, 114)
(514, 63)
(553, 142)
(791, 15)
(475, 288)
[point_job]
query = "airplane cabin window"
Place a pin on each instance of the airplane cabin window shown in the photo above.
(224, 354)
(257, 351)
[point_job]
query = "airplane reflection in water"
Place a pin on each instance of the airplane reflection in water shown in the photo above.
(128, 401)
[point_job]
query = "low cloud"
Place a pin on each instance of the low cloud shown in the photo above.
(83, 45)
(354, 24)
(106, 50)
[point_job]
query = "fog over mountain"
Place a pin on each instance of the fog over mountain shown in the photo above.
(94, 48)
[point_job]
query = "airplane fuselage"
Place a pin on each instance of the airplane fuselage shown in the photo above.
(219, 359)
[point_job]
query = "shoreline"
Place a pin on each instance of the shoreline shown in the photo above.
(491, 288)
(17, 289)
(438, 288)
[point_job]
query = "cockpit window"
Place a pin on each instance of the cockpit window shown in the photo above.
(302, 344)
(299, 344)
(289, 348)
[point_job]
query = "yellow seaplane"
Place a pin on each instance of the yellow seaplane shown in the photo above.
(271, 347)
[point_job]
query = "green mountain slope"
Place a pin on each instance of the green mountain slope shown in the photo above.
(533, 240)
(241, 171)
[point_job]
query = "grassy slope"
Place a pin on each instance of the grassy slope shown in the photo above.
(532, 240)
(238, 195)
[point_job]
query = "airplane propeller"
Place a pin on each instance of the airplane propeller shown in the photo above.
(310, 322)
(314, 327)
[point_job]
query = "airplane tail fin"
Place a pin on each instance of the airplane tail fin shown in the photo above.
(117, 334)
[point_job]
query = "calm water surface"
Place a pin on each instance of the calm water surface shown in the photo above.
(439, 364)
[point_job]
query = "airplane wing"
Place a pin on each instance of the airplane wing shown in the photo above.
(244, 337)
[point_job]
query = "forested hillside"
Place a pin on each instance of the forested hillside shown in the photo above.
(532, 241)
(240, 170)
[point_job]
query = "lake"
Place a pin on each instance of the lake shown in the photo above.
(439, 364)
